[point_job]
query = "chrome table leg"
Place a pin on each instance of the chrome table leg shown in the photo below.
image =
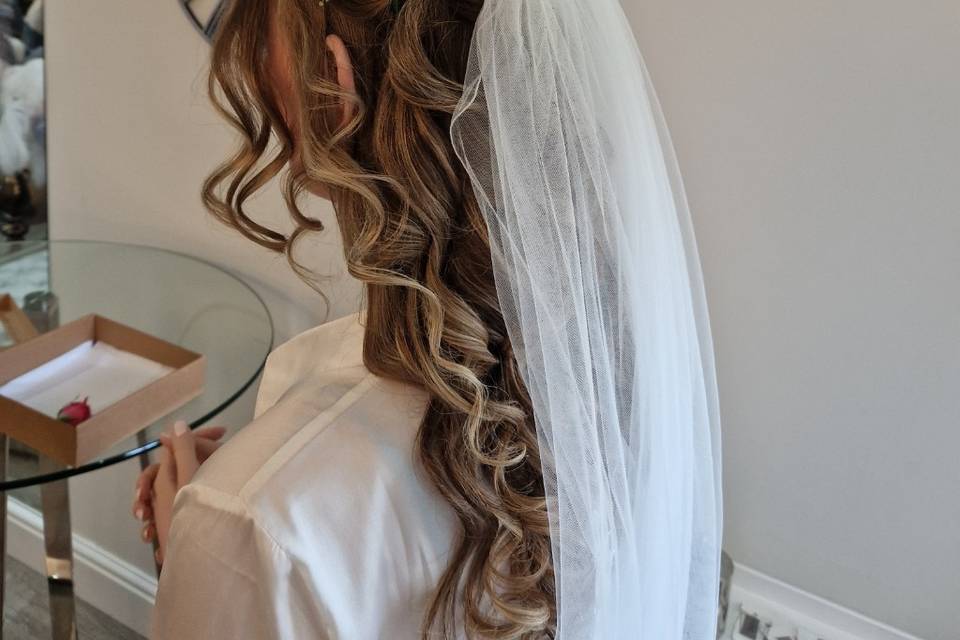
(55, 500)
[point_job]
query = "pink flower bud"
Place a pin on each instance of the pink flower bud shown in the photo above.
(75, 412)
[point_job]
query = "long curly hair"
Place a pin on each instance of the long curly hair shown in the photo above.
(414, 235)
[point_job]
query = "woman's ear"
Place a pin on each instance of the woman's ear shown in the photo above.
(341, 58)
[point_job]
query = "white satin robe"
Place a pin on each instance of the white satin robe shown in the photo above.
(313, 522)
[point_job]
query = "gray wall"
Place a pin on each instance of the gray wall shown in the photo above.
(819, 146)
(819, 142)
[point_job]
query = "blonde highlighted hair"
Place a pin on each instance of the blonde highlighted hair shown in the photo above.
(415, 237)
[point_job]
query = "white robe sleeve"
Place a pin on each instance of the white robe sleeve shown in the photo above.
(224, 577)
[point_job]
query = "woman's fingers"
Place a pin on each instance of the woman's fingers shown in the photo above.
(143, 511)
(148, 531)
(165, 488)
(144, 482)
(205, 446)
(212, 432)
(141, 493)
(203, 436)
(207, 433)
(178, 463)
(184, 452)
(168, 470)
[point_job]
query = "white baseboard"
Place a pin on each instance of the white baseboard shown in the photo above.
(772, 598)
(121, 590)
(126, 593)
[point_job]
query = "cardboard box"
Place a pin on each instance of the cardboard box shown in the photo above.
(71, 445)
(15, 321)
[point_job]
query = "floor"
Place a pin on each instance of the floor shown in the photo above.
(26, 617)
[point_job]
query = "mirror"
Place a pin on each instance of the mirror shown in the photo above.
(204, 14)
(23, 159)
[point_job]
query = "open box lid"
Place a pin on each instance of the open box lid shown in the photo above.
(74, 445)
(15, 321)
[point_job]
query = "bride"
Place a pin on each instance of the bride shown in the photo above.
(518, 435)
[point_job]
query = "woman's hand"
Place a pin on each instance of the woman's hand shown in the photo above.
(158, 483)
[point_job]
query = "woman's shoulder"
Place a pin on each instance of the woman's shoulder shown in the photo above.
(336, 333)
(329, 441)
(332, 346)
(315, 398)
(328, 476)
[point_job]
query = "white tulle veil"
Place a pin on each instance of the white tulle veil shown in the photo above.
(600, 283)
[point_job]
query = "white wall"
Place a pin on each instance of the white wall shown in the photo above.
(819, 143)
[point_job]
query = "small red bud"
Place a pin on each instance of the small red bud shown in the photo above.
(75, 412)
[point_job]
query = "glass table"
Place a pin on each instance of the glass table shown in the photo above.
(178, 298)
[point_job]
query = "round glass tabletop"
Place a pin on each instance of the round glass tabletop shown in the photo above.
(175, 297)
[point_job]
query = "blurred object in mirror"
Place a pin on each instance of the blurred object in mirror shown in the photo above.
(23, 161)
(726, 575)
(750, 626)
(43, 310)
(16, 206)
